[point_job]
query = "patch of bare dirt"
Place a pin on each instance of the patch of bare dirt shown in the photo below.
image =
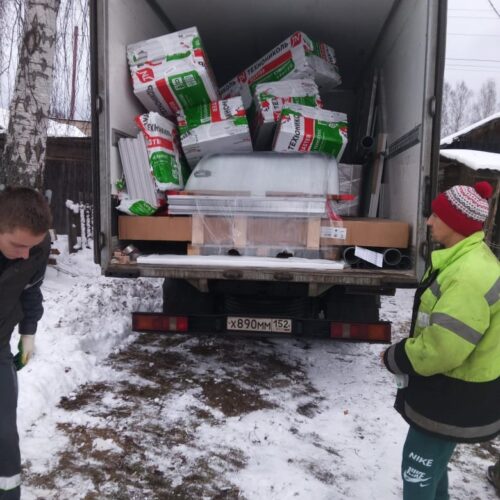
(89, 393)
(232, 399)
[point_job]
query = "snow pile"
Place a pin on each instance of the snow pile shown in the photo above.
(55, 129)
(86, 317)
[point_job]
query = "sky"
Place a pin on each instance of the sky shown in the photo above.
(473, 41)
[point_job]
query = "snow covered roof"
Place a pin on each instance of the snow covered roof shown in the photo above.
(476, 160)
(449, 139)
(55, 129)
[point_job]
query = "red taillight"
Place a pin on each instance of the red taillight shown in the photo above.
(152, 322)
(380, 332)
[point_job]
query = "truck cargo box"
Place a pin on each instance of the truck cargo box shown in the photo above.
(390, 56)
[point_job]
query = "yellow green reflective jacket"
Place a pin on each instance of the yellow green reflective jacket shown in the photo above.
(453, 354)
(457, 331)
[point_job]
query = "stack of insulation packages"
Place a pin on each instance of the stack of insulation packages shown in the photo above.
(273, 105)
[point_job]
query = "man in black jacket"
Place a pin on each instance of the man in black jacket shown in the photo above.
(24, 249)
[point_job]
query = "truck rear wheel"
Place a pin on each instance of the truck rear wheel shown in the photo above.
(180, 298)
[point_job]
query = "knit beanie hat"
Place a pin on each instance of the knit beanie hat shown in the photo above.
(464, 208)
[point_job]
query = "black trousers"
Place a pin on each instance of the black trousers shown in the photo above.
(10, 457)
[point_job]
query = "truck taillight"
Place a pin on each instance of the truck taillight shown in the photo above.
(378, 332)
(157, 322)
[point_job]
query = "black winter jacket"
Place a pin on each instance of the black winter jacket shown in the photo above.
(20, 294)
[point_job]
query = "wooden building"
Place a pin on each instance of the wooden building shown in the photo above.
(483, 135)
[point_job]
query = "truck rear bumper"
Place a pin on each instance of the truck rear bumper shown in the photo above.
(355, 277)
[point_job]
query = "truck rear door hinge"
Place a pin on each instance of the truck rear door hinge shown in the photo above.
(102, 240)
(432, 106)
(98, 105)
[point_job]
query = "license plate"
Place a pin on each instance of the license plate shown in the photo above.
(273, 325)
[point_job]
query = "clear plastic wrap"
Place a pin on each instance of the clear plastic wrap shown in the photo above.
(350, 177)
(260, 204)
(266, 174)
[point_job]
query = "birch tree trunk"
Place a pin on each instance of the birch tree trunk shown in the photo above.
(25, 146)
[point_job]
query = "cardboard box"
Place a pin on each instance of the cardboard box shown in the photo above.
(154, 228)
(357, 231)
(368, 232)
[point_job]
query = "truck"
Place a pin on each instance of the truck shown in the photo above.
(391, 56)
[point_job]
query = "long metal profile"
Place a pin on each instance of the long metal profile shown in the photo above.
(405, 142)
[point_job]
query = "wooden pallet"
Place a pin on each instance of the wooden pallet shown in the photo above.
(249, 231)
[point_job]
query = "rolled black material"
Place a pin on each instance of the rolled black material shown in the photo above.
(392, 256)
(349, 256)
(405, 262)
(368, 143)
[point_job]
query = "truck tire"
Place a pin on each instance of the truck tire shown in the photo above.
(180, 298)
(339, 306)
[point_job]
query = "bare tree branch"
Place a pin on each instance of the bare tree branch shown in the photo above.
(486, 102)
(460, 96)
(73, 13)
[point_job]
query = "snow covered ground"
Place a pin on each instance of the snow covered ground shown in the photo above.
(108, 413)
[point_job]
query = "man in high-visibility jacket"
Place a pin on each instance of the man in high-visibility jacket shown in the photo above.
(449, 368)
(24, 249)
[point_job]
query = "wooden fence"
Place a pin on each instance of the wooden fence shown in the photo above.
(68, 175)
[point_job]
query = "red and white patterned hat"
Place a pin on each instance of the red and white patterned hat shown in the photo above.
(464, 208)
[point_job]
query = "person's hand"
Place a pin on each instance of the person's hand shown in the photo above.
(26, 348)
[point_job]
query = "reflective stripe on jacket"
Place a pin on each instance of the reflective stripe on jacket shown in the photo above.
(9, 483)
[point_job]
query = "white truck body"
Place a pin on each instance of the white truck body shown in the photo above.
(400, 40)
